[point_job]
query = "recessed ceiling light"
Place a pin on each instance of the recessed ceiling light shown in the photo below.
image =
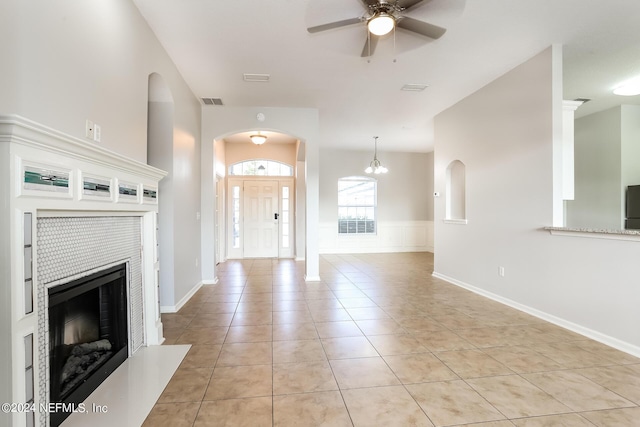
(414, 87)
(629, 88)
(263, 78)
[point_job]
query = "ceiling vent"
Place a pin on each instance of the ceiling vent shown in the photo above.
(263, 78)
(414, 87)
(583, 100)
(212, 101)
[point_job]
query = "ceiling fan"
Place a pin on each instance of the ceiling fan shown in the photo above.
(382, 17)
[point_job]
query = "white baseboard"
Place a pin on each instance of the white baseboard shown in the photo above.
(182, 302)
(311, 278)
(574, 327)
(210, 282)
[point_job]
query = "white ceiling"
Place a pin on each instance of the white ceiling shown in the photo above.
(213, 42)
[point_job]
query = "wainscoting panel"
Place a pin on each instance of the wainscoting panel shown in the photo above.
(392, 236)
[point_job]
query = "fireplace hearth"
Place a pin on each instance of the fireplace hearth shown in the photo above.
(88, 335)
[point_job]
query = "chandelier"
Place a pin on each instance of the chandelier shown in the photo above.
(375, 166)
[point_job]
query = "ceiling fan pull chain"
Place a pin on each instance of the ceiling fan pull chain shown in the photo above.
(394, 43)
(368, 46)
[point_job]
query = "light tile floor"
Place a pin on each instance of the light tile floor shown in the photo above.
(380, 342)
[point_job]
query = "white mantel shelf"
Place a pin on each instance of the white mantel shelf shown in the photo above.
(594, 233)
(14, 128)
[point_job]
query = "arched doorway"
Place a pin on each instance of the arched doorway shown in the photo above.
(260, 195)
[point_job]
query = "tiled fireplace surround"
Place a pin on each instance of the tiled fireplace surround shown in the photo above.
(75, 233)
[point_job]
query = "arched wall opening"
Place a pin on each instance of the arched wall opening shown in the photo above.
(160, 124)
(456, 191)
(303, 124)
(241, 184)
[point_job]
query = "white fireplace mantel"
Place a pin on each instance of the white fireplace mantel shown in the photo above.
(45, 173)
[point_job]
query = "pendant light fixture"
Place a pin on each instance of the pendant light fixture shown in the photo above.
(375, 166)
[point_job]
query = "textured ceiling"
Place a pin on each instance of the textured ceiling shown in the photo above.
(214, 42)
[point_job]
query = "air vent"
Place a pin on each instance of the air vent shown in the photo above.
(414, 87)
(583, 100)
(263, 78)
(212, 101)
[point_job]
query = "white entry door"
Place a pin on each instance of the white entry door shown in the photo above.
(260, 220)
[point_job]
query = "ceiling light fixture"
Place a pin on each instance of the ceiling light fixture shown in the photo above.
(375, 166)
(381, 23)
(253, 77)
(414, 87)
(629, 88)
(258, 139)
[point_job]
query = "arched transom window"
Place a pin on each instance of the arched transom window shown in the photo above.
(261, 167)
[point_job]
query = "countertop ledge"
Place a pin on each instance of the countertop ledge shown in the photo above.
(596, 233)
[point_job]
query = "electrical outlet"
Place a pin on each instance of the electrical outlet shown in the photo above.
(501, 271)
(89, 130)
(97, 132)
(197, 262)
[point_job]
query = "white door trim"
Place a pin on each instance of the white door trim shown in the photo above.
(235, 243)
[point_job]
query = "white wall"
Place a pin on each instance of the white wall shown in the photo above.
(236, 152)
(405, 201)
(302, 123)
(598, 171)
(301, 207)
(630, 152)
(186, 225)
(67, 61)
(607, 160)
(160, 155)
(589, 285)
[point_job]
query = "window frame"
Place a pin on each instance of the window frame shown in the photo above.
(364, 222)
(268, 164)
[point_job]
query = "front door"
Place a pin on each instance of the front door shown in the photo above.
(260, 219)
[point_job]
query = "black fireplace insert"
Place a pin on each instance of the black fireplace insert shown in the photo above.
(88, 336)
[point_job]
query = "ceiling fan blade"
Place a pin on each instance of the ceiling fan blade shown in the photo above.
(408, 4)
(370, 45)
(333, 25)
(421, 27)
(368, 3)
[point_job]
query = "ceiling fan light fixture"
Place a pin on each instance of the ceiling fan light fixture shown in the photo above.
(258, 139)
(381, 23)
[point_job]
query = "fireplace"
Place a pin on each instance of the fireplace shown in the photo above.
(60, 229)
(88, 335)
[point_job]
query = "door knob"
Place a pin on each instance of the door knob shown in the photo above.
(275, 216)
